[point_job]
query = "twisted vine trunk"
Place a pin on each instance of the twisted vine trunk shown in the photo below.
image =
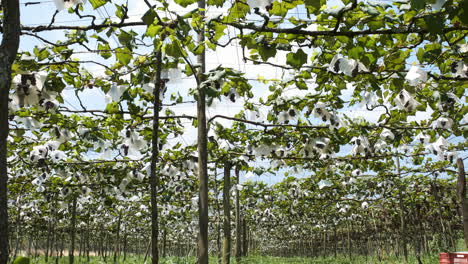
(71, 254)
(402, 212)
(8, 50)
(125, 247)
(49, 234)
(202, 154)
(154, 161)
(88, 246)
(117, 240)
(245, 244)
(461, 191)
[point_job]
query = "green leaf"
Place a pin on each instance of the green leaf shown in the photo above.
(435, 24)
(148, 17)
(153, 30)
(211, 92)
(238, 11)
(173, 49)
(418, 4)
(120, 13)
(42, 54)
(188, 70)
(313, 6)
(110, 32)
(219, 31)
(112, 108)
(301, 85)
(105, 50)
(278, 9)
(266, 52)
(356, 52)
(124, 55)
(297, 59)
(185, 3)
(134, 109)
(463, 12)
(97, 3)
(218, 3)
(99, 38)
(420, 55)
(54, 83)
(125, 38)
(198, 49)
(21, 260)
(432, 51)
(377, 24)
(211, 45)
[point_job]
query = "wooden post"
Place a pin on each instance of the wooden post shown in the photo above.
(218, 218)
(164, 247)
(245, 245)
(238, 222)
(147, 252)
(227, 214)
(103, 246)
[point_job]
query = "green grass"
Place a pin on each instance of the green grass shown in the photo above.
(338, 260)
(251, 260)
